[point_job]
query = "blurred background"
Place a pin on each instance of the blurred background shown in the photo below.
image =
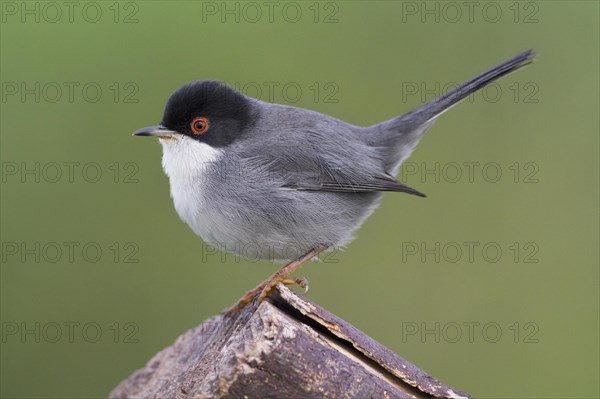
(489, 284)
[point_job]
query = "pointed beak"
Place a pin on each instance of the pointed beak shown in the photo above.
(156, 131)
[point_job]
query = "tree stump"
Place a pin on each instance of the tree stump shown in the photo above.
(285, 347)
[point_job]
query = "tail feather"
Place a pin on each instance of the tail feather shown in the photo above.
(440, 105)
(398, 136)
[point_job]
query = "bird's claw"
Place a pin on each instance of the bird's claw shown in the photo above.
(270, 286)
(264, 290)
(261, 292)
(301, 281)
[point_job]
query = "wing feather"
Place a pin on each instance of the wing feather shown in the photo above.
(374, 183)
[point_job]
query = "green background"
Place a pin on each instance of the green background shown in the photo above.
(544, 118)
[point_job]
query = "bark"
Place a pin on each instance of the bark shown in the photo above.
(285, 347)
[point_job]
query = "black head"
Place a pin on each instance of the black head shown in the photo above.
(206, 111)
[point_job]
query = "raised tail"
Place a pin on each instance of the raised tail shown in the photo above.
(398, 136)
(435, 108)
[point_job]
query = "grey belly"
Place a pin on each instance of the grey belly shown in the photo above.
(282, 225)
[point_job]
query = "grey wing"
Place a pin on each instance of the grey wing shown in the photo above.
(346, 165)
(307, 151)
(383, 182)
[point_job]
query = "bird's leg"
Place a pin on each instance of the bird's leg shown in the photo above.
(280, 276)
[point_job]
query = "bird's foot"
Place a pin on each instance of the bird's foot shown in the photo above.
(263, 290)
(280, 276)
(271, 284)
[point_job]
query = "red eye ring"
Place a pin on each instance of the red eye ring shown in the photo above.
(199, 125)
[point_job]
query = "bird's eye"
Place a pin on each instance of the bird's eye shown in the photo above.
(199, 125)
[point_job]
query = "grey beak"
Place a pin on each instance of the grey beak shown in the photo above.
(156, 131)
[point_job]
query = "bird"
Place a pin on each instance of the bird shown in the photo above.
(280, 183)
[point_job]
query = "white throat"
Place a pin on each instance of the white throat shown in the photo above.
(186, 162)
(185, 158)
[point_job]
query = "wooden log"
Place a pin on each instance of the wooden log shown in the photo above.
(286, 347)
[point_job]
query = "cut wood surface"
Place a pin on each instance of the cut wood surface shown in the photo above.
(285, 347)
